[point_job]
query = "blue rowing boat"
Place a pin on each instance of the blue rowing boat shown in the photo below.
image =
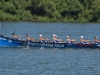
(9, 42)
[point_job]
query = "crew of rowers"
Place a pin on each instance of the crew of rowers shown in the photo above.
(57, 40)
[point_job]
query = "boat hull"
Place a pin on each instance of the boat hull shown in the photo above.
(61, 45)
(9, 42)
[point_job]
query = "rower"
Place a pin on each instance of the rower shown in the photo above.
(29, 39)
(56, 40)
(84, 41)
(70, 40)
(42, 39)
(15, 37)
(96, 40)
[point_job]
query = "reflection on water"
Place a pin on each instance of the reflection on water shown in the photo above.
(49, 61)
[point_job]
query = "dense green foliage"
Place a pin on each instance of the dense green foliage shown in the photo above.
(50, 10)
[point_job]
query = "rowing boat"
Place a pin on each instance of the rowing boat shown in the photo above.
(9, 42)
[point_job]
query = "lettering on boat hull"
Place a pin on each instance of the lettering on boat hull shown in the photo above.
(46, 44)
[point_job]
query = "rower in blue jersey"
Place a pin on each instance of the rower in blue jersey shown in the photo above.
(42, 39)
(96, 40)
(83, 41)
(70, 40)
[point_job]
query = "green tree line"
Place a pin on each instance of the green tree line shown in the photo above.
(50, 10)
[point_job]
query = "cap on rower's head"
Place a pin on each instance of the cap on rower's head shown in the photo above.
(54, 35)
(96, 37)
(81, 37)
(68, 36)
(40, 35)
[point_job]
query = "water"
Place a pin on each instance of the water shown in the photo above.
(48, 61)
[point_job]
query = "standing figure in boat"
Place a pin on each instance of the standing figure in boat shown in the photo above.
(70, 40)
(15, 37)
(57, 40)
(83, 41)
(29, 39)
(96, 40)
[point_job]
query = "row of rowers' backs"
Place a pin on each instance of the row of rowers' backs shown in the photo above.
(83, 40)
(14, 36)
(55, 38)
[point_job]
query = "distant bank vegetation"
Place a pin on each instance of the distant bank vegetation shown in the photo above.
(50, 10)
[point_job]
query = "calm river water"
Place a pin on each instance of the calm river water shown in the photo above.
(48, 61)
